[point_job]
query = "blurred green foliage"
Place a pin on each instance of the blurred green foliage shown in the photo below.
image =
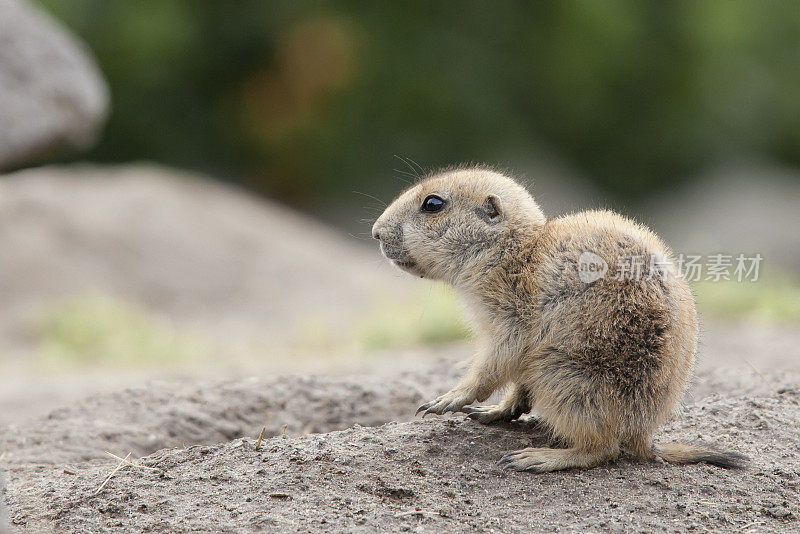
(101, 330)
(773, 299)
(429, 316)
(307, 101)
(406, 323)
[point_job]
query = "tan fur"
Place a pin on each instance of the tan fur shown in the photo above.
(602, 364)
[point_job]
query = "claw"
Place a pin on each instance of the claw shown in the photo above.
(423, 407)
(517, 459)
(469, 409)
(508, 457)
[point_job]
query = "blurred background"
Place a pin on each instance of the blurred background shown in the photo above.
(188, 186)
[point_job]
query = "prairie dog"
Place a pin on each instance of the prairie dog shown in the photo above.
(601, 359)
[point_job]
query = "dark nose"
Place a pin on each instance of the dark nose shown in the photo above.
(376, 229)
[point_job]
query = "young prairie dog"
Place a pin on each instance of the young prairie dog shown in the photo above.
(601, 359)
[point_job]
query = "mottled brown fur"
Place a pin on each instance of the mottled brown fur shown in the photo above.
(602, 364)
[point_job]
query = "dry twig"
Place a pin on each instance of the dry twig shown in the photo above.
(260, 437)
(131, 464)
(114, 472)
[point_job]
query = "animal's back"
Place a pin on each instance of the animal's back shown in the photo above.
(619, 340)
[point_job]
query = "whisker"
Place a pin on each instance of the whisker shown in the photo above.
(401, 171)
(407, 164)
(407, 174)
(416, 168)
(360, 238)
(372, 197)
(421, 170)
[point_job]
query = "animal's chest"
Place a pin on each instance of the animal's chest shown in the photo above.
(508, 321)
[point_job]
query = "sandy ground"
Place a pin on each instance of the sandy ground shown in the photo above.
(344, 454)
(432, 476)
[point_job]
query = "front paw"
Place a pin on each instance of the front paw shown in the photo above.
(488, 414)
(452, 401)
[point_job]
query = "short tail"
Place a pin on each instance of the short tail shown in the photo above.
(683, 453)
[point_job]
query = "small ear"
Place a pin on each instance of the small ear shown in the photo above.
(492, 206)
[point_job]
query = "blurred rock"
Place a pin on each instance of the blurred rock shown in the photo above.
(52, 95)
(193, 251)
(742, 209)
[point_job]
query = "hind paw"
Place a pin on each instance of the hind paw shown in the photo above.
(541, 460)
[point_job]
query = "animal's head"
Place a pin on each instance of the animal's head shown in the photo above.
(454, 224)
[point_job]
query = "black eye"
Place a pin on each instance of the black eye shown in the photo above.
(432, 203)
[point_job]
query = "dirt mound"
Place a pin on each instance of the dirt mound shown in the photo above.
(164, 414)
(3, 514)
(436, 475)
(316, 471)
(144, 420)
